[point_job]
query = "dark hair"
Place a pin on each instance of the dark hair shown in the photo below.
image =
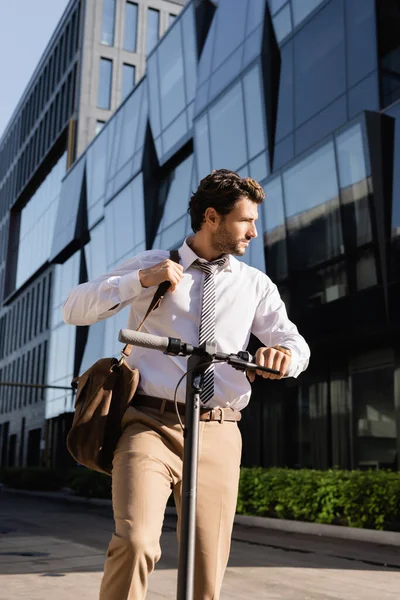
(221, 189)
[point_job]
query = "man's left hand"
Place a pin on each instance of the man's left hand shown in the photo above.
(277, 358)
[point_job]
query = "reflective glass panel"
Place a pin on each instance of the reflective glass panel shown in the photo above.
(190, 52)
(285, 122)
(38, 220)
(374, 411)
(319, 62)
(202, 144)
(172, 87)
(125, 226)
(173, 223)
(171, 19)
(366, 270)
(255, 106)
(154, 94)
(302, 9)
(128, 79)
(68, 206)
(127, 140)
(108, 23)
(364, 95)
(227, 130)
(282, 23)
(153, 27)
(361, 39)
(105, 78)
(130, 34)
(275, 5)
(231, 22)
(96, 172)
(62, 340)
(275, 230)
(312, 209)
(353, 183)
(255, 14)
(95, 252)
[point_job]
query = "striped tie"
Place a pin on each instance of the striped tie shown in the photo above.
(207, 321)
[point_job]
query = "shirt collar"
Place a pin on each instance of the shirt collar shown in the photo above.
(188, 257)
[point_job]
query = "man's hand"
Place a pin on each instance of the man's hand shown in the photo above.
(277, 358)
(168, 270)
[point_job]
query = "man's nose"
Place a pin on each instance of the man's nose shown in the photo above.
(253, 231)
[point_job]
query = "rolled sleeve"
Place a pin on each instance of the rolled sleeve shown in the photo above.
(273, 327)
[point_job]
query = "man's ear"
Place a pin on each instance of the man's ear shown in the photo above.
(211, 217)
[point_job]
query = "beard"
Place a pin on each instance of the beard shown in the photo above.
(224, 242)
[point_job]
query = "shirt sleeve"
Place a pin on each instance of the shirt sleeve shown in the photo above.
(105, 296)
(272, 326)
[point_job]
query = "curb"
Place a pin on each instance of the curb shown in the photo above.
(387, 538)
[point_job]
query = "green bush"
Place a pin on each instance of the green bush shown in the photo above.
(369, 499)
(90, 484)
(32, 478)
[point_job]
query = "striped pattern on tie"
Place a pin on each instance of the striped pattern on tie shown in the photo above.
(207, 320)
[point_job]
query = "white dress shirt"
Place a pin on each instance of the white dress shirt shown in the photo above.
(246, 302)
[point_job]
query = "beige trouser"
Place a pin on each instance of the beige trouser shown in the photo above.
(147, 463)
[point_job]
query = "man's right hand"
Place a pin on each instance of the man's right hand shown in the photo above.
(168, 270)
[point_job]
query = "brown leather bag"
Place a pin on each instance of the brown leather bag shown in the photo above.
(103, 393)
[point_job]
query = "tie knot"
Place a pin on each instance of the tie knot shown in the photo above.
(210, 267)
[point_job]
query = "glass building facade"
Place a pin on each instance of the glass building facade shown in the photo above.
(304, 97)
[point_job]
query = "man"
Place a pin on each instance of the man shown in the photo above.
(212, 296)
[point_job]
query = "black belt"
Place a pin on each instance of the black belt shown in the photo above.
(206, 414)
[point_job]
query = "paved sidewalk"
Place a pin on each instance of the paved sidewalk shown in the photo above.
(53, 550)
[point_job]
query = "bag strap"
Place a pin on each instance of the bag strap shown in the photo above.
(155, 303)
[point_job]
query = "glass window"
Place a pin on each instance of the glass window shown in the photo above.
(124, 221)
(366, 270)
(255, 14)
(154, 94)
(354, 184)
(320, 125)
(108, 23)
(99, 126)
(95, 252)
(282, 23)
(302, 9)
(153, 28)
(105, 79)
(128, 138)
(321, 287)
(375, 418)
(202, 144)
(361, 50)
(284, 123)
(130, 33)
(364, 95)
(189, 53)
(312, 208)
(170, 57)
(275, 230)
(171, 19)
(96, 172)
(275, 5)
(319, 58)
(230, 29)
(227, 130)
(68, 207)
(128, 79)
(38, 220)
(173, 223)
(255, 106)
